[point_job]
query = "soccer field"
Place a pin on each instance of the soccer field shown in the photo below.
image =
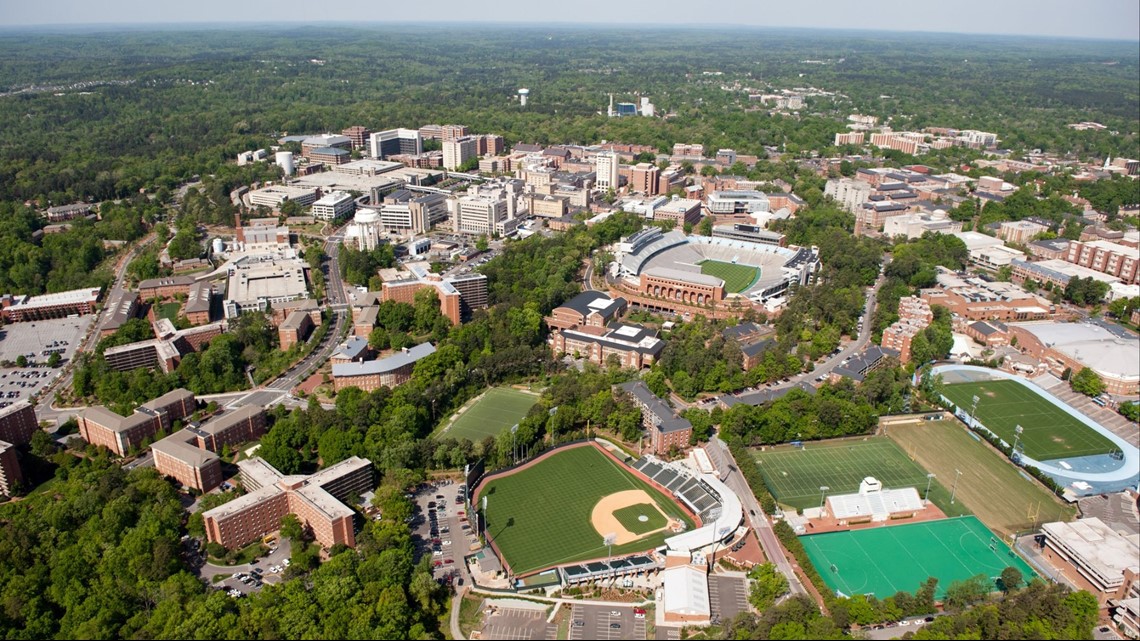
(498, 408)
(1048, 433)
(794, 476)
(990, 485)
(886, 560)
(539, 516)
(737, 278)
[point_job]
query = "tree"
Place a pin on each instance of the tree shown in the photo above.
(21, 361)
(54, 359)
(767, 586)
(1087, 382)
(1011, 579)
(291, 528)
(706, 226)
(481, 243)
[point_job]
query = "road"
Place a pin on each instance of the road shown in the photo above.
(723, 460)
(44, 409)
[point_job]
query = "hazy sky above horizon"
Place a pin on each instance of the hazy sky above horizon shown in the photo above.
(1111, 19)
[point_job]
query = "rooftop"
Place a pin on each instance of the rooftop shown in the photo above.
(72, 297)
(177, 445)
(384, 365)
(1098, 547)
(1094, 346)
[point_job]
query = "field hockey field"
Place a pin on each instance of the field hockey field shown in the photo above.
(497, 409)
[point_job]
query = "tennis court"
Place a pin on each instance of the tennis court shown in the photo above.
(488, 415)
(1048, 433)
(886, 560)
(795, 476)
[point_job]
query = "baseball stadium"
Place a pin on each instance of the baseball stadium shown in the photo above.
(580, 503)
(678, 273)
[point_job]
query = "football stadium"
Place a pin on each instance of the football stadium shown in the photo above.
(677, 273)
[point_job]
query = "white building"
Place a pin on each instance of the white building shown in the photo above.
(916, 224)
(848, 192)
(1099, 554)
(482, 214)
(607, 170)
(274, 196)
(458, 151)
(333, 205)
(873, 503)
(725, 203)
(391, 142)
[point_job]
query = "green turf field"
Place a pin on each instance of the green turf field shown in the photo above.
(886, 560)
(794, 476)
(630, 518)
(540, 516)
(737, 278)
(990, 485)
(1048, 433)
(499, 408)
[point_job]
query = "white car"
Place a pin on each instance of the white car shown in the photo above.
(437, 553)
(447, 543)
(286, 562)
(615, 613)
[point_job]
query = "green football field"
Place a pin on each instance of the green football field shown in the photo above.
(1047, 432)
(539, 516)
(737, 278)
(886, 560)
(497, 409)
(794, 476)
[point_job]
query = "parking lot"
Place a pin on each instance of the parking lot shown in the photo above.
(441, 530)
(605, 622)
(518, 623)
(728, 596)
(39, 338)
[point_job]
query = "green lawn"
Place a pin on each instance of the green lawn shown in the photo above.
(990, 485)
(794, 476)
(630, 517)
(540, 516)
(886, 560)
(499, 408)
(737, 278)
(1048, 433)
(168, 310)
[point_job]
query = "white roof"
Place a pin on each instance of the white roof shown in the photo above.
(685, 591)
(879, 504)
(1092, 345)
(1098, 547)
(975, 241)
(731, 513)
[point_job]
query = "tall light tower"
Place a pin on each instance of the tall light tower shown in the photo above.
(974, 411)
(954, 492)
(822, 494)
(926, 497)
(1017, 430)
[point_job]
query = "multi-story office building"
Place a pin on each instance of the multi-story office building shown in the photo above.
(358, 136)
(318, 501)
(679, 211)
(325, 141)
(851, 138)
(643, 178)
(737, 202)
(385, 372)
(458, 151)
(1092, 555)
(275, 195)
(452, 132)
(18, 423)
(481, 214)
(333, 205)
(120, 434)
(914, 316)
(849, 193)
(634, 346)
(490, 144)
(393, 142)
(407, 213)
(607, 164)
(1020, 231)
(472, 290)
(11, 476)
(458, 296)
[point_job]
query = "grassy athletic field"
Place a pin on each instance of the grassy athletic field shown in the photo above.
(885, 560)
(1049, 433)
(629, 517)
(737, 278)
(991, 486)
(540, 516)
(794, 476)
(499, 408)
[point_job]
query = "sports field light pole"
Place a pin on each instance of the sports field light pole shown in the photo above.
(974, 410)
(514, 453)
(608, 540)
(954, 492)
(926, 497)
(822, 492)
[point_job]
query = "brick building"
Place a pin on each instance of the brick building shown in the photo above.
(1075, 346)
(165, 288)
(915, 315)
(46, 306)
(590, 308)
(385, 372)
(245, 424)
(11, 476)
(318, 502)
(666, 429)
(18, 423)
(1107, 257)
(121, 434)
(295, 329)
(635, 346)
(178, 457)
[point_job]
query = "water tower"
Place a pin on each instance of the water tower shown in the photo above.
(523, 93)
(285, 161)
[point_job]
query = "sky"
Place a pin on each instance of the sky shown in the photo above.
(1103, 19)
